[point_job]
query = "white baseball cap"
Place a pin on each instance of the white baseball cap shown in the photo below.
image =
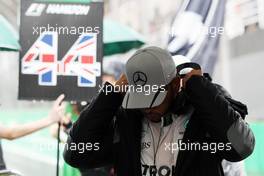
(180, 59)
(148, 67)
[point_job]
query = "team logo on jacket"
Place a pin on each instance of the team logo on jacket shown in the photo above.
(153, 170)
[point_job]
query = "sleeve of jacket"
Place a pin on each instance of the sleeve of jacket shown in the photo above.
(223, 122)
(95, 128)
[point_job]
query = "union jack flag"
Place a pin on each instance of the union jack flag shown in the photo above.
(41, 59)
(80, 61)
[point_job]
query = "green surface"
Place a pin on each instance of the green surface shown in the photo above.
(119, 38)
(70, 171)
(8, 36)
(255, 163)
(116, 32)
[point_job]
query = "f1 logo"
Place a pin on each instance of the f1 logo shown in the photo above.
(35, 9)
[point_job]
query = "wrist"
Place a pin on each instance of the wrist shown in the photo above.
(193, 73)
(192, 80)
(50, 120)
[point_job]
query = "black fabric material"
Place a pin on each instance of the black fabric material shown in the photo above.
(212, 117)
(104, 171)
(2, 162)
(192, 65)
(181, 104)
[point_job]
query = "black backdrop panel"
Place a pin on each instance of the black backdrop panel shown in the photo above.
(61, 50)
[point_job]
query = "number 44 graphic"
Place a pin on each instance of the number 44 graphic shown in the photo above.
(80, 60)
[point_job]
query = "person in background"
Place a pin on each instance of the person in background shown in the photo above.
(16, 131)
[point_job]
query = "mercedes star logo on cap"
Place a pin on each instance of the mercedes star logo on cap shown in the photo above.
(139, 78)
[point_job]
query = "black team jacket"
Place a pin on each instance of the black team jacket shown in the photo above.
(216, 119)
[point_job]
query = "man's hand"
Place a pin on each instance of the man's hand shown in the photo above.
(58, 109)
(66, 121)
(189, 75)
(121, 83)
